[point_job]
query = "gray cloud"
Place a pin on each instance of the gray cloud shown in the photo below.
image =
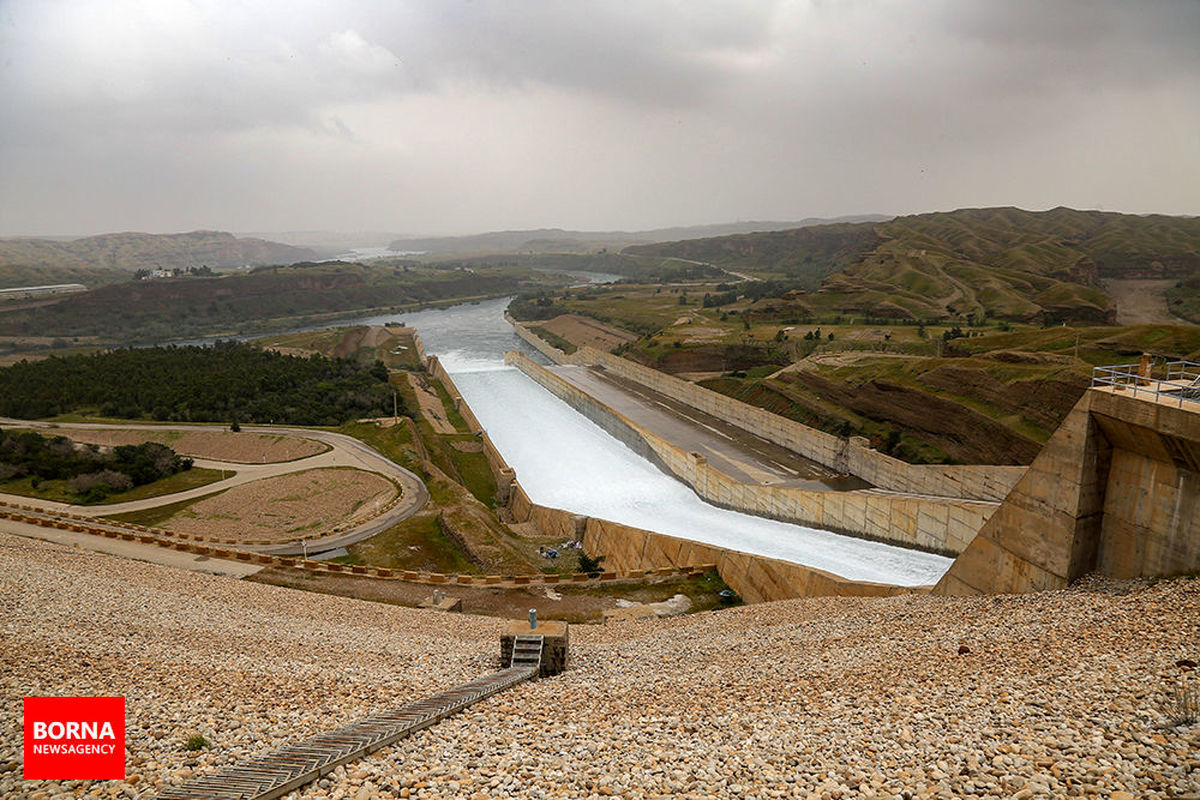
(443, 115)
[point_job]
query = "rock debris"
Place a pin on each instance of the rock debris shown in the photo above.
(1060, 694)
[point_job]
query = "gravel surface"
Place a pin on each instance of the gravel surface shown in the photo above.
(1055, 694)
(284, 507)
(247, 448)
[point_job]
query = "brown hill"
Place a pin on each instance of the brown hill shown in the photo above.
(133, 251)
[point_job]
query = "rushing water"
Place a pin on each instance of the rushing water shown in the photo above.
(564, 460)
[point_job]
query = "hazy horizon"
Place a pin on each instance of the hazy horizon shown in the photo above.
(366, 235)
(439, 117)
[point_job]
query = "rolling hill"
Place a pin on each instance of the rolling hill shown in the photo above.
(991, 262)
(161, 310)
(130, 252)
(551, 240)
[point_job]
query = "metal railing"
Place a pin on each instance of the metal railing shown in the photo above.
(1171, 381)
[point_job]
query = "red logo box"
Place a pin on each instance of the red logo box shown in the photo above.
(74, 738)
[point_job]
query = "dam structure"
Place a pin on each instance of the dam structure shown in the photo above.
(589, 471)
(1116, 490)
(737, 456)
(571, 466)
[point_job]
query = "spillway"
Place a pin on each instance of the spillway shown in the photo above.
(564, 460)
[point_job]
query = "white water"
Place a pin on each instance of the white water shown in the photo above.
(564, 460)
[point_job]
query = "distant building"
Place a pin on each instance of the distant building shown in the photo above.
(31, 292)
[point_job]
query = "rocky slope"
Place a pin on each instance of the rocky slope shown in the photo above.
(1048, 695)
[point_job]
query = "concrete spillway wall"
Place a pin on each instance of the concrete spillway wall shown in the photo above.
(1116, 490)
(626, 549)
(971, 482)
(878, 469)
(631, 550)
(502, 473)
(934, 524)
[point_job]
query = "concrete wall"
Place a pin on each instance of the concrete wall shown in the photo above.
(756, 578)
(938, 525)
(629, 550)
(990, 483)
(974, 482)
(1115, 490)
(538, 343)
(503, 474)
(417, 344)
(1151, 514)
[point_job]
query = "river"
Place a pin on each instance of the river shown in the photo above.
(564, 460)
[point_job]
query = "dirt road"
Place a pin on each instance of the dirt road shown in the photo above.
(344, 451)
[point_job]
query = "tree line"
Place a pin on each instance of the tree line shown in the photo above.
(91, 472)
(226, 382)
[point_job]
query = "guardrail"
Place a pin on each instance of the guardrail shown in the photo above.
(1171, 381)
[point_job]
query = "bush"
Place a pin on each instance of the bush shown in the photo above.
(590, 565)
(196, 742)
(111, 481)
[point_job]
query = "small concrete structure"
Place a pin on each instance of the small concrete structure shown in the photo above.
(556, 636)
(453, 604)
(440, 602)
(1116, 490)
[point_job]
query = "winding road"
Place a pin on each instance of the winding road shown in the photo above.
(344, 451)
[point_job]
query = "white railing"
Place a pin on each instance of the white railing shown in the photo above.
(1171, 381)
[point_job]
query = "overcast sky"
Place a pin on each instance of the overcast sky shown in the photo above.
(442, 116)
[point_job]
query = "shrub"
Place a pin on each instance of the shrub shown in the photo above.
(589, 564)
(1182, 706)
(108, 479)
(196, 742)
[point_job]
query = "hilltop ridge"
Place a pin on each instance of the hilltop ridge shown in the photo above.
(545, 240)
(129, 252)
(987, 262)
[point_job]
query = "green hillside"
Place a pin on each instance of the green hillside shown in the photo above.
(161, 310)
(12, 275)
(973, 263)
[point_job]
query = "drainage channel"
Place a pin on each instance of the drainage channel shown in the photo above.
(282, 771)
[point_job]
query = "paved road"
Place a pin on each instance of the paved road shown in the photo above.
(345, 451)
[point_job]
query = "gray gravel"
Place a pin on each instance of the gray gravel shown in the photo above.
(1058, 694)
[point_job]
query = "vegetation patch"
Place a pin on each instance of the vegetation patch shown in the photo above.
(81, 474)
(229, 381)
(554, 339)
(60, 491)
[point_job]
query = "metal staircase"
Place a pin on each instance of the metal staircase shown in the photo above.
(527, 651)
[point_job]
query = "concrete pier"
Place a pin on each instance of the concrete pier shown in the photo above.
(1116, 490)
